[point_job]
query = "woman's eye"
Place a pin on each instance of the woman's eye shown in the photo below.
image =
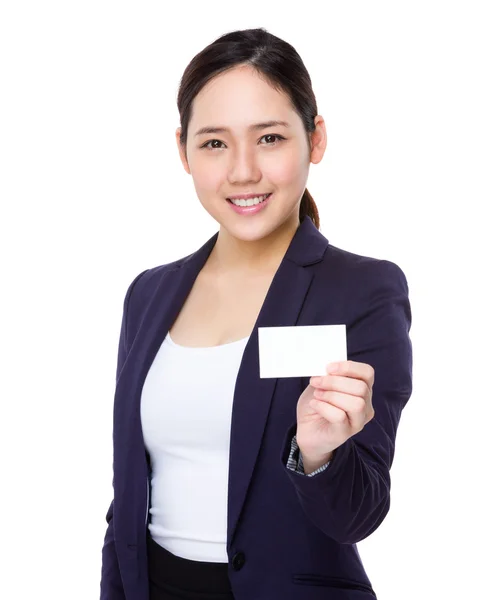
(272, 135)
(206, 145)
(267, 135)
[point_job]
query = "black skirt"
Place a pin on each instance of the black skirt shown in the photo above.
(172, 577)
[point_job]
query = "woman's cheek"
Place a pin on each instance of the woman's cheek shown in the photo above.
(287, 168)
(206, 179)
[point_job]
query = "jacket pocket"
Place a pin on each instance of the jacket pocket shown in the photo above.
(333, 582)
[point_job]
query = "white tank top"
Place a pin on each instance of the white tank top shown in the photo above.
(186, 406)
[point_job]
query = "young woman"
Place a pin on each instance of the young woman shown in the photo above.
(227, 485)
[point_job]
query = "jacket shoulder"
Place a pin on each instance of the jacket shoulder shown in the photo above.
(143, 285)
(366, 272)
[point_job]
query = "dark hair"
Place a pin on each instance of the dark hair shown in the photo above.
(274, 59)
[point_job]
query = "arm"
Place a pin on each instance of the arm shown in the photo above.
(111, 587)
(350, 499)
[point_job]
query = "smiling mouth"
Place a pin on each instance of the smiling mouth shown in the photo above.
(248, 201)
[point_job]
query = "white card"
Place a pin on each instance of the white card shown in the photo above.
(300, 351)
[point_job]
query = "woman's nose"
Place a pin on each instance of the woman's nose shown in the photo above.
(243, 166)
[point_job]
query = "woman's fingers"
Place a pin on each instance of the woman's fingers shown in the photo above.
(336, 383)
(351, 369)
(329, 412)
(355, 409)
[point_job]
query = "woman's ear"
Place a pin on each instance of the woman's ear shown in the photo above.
(181, 149)
(318, 140)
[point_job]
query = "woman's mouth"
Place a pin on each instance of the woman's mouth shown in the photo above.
(250, 206)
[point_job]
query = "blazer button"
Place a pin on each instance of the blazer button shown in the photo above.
(238, 561)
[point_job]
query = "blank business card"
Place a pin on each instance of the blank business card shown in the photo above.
(300, 351)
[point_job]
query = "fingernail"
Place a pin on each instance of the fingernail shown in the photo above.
(315, 380)
(333, 367)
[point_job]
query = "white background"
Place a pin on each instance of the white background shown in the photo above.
(93, 192)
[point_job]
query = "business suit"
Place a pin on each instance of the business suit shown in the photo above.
(290, 536)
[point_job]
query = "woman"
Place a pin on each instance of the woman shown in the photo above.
(227, 485)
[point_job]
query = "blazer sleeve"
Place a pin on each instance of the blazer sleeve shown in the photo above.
(111, 587)
(350, 499)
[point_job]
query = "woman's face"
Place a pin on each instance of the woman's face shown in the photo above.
(241, 159)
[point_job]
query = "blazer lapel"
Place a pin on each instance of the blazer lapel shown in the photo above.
(252, 396)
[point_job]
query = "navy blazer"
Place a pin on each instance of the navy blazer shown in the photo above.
(289, 537)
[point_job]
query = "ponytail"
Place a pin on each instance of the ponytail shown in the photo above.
(309, 207)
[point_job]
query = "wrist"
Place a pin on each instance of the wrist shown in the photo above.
(311, 464)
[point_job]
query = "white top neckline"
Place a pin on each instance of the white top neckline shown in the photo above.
(175, 345)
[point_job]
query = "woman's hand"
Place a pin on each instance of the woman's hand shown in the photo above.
(332, 409)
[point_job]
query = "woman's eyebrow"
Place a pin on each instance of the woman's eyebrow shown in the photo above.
(253, 127)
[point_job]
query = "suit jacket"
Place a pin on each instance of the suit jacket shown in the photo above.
(289, 536)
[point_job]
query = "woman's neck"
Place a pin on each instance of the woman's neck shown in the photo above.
(231, 255)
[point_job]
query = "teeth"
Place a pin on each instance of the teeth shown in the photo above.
(250, 201)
